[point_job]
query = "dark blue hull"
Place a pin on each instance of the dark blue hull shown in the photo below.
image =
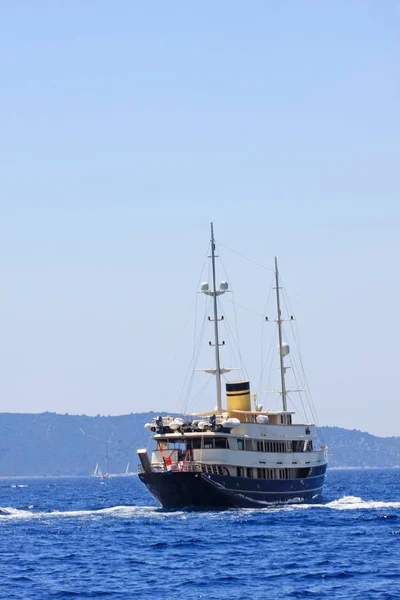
(203, 490)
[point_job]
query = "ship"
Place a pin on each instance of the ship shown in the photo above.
(237, 456)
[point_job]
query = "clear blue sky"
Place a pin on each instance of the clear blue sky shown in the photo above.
(127, 127)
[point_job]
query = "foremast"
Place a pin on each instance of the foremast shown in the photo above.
(214, 293)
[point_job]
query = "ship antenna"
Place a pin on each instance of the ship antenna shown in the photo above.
(216, 340)
(279, 321)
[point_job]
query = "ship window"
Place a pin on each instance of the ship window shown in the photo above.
(208, 443)
(319, 470)
(249, 472)
(261, 473)
(240, 471)
(240, 444)
(194, 444)
(221, 443)
(249, 444)
(163, 443)
(270, 473)
(283, 473)
(178, 445)
(303, 473)
(260, 446)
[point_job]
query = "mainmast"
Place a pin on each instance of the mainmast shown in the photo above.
(281, 349)
(216, 340)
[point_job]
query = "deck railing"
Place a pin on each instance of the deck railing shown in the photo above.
(188, 467)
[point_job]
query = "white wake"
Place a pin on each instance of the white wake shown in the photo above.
(115, 511)
(129, 512)
(354, 502)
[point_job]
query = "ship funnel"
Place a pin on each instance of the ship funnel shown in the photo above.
(238, 395)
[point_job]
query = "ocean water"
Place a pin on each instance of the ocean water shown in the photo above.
(83, 538)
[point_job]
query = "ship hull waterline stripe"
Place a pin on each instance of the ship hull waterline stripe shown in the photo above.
(241, 491)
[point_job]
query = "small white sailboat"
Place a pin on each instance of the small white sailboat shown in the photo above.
(128, 473)
(97, 471)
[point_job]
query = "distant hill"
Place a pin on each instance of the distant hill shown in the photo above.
(353, 448)
(52, 444)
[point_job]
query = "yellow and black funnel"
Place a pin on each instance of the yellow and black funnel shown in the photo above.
(238, 395)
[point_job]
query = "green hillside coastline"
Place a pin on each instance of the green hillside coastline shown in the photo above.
(51, 444)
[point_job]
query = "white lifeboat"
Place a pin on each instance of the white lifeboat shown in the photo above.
(230, 423)
(262, 419)
(176, 424)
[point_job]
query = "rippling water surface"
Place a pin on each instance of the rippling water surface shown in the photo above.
(83, 538)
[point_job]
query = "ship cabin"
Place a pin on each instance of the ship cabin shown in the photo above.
(237, 443)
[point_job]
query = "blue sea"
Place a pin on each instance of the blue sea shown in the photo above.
(84, 538)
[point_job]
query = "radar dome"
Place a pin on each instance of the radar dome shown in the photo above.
(285, 349)
(223, 285)
(204, 286)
